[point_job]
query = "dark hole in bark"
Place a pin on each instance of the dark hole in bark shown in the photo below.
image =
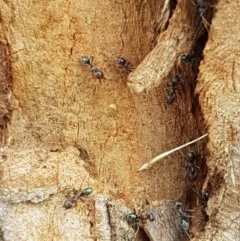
(142, 236)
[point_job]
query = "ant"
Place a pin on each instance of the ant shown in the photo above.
(97, 73)
(133, 220)
(173, 83)
(205, 196)
(184, 217)
(203, 199)
(189, 58)
(71, 202)
(192, 168)
(124, 64)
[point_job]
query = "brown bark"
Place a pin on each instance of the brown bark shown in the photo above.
(219, 97)
(68, 131)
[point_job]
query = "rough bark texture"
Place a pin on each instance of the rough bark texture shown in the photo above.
(219, 90)
(63, 130)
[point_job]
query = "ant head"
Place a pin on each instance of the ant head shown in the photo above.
(120, 61)
(185, 58)
(68, 204)
(178, 205)
(191, 156)
(85, 59)
(202, 10)
(175, 80)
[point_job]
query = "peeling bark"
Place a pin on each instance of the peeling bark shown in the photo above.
(219, 97)
(5, 89)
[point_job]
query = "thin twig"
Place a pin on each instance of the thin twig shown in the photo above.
(167, 153)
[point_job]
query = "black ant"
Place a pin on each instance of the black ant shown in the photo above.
(175, 80)
(134, 220)
(124, 64)
(184, 217)
(192, 168)
(71, 202)
(205, 196)
(203, 199)
(189, 59)
(97, 73)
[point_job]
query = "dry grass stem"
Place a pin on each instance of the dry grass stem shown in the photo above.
(161, 156)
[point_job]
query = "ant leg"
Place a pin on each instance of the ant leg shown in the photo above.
(183, 155)
(206, 24)
(95, 87)
(186, 232)
(193, 3)
(135, 235)
(181, 193)
(196, 191)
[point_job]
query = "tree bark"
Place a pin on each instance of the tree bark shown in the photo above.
(64, 130)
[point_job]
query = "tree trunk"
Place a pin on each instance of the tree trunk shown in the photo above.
(64, 130)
